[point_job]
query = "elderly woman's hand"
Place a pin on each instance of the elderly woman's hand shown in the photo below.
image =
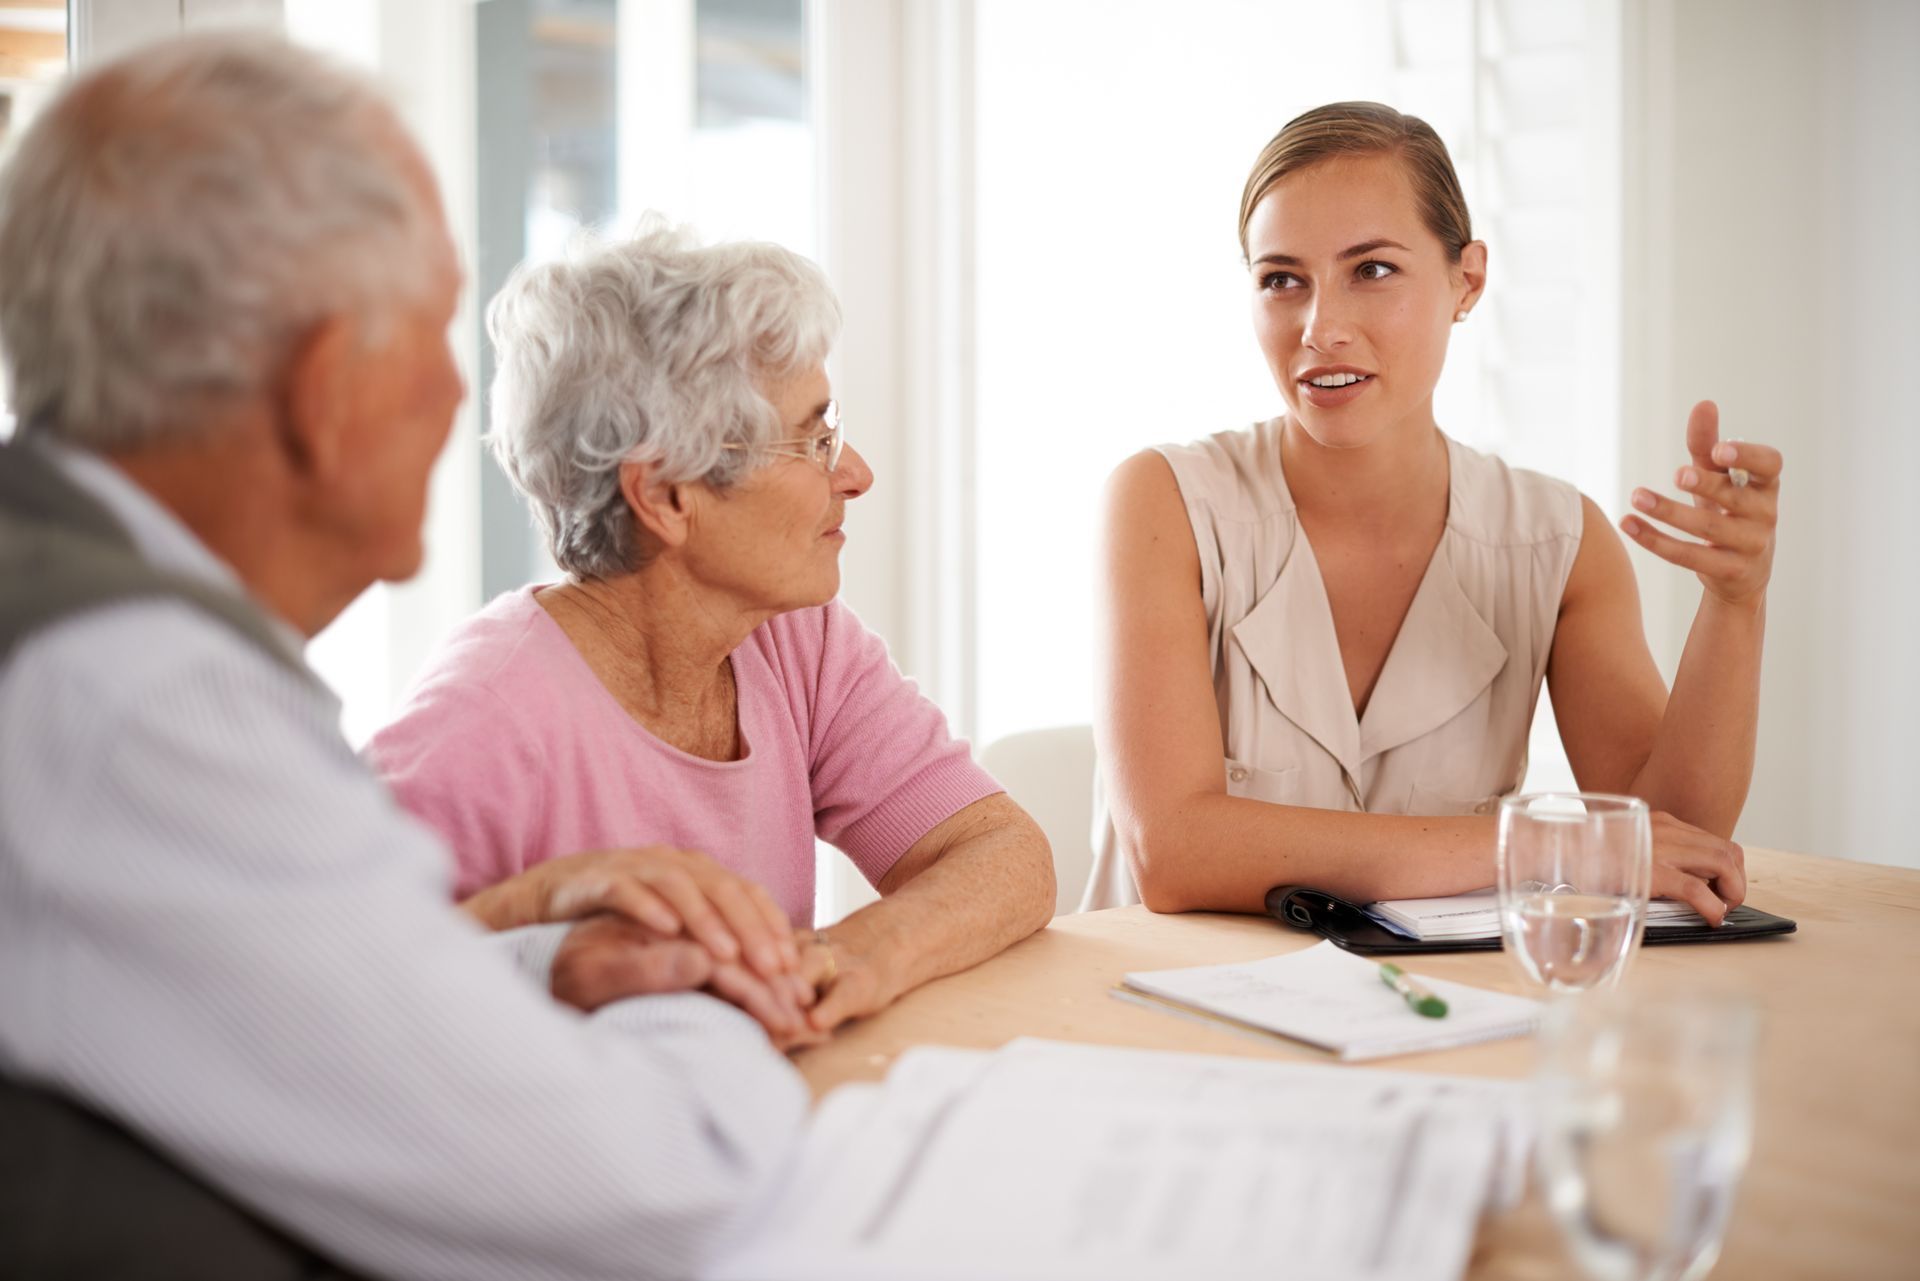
(607, 958)
(1736, 502)
(671, 892)
(848, 984)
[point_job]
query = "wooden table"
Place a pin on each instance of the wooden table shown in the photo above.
(1833, 1189)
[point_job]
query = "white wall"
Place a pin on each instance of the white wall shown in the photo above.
(1779, 194)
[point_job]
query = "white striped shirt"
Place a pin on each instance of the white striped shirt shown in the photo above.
(218, 929)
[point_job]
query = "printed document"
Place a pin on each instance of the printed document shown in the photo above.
(1335, 1000)
(1047, 1160)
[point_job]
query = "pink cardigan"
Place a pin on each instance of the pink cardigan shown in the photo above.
(515, 753)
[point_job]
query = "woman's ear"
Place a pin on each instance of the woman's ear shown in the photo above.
(1473, 274)
(664, 511)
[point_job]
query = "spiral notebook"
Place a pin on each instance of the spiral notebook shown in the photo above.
(1471, 923)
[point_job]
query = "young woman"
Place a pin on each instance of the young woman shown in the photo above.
(1322, 637)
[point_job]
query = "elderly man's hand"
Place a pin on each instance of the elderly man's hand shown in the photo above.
(670, 891)
(608, 958)
(605, 959)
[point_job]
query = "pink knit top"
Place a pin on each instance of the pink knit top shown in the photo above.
(514, 751)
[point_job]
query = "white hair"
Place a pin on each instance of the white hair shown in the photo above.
(176, 221)
(651, 350)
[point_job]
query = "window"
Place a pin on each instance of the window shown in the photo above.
(1112, 144)
(541, 118)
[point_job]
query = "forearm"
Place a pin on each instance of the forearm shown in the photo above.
(986, 892)
(1701, 764)
(1216, 852)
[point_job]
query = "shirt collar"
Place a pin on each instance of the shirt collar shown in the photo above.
(160, 537)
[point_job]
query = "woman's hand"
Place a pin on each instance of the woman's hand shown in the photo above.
(671, 892)
(848, 984)
(1707, 872)
(1735, 522)
(607, 958)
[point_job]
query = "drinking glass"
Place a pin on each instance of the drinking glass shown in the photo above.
(1574, 869)
(1646, 1119)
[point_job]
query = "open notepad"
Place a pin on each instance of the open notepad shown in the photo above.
(1477, 916)
(1335, 1000)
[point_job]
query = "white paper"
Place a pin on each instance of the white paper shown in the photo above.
(1062, 1161)
(1477, 915)
(1335, 1000)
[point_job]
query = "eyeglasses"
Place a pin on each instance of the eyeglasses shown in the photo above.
(822, 450)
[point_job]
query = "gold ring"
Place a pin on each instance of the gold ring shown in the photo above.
(820, 939)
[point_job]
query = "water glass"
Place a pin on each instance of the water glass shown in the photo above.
(1574, 871)
(1646, 1119)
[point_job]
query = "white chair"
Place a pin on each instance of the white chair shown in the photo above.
(1049, 773)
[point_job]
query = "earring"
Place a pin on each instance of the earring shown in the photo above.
(1460, 315)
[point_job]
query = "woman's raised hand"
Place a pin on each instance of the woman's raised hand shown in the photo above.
(672, 892)
(1734, 521)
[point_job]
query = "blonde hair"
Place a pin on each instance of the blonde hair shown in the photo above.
(1366, 129)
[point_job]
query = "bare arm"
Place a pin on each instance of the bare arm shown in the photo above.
(1191, 845)
(1688, 755)
(1701, 761)
(1691, 753)
(980, 881)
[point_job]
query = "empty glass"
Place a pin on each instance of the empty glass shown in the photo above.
(1574, 870)
(1646, 1119)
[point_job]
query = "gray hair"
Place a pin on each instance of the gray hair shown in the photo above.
(652, 350)
(178, 219)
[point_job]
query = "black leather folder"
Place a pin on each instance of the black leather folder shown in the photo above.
(1346, 926)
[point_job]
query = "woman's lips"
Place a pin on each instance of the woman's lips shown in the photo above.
(1333, 397)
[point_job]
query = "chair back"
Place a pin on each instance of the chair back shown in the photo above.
(1049, 773)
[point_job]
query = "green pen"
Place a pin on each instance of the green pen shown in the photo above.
(1418, 999)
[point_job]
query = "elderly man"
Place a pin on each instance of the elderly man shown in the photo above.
(242, 1033)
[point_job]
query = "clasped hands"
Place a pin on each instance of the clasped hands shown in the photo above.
(656, 919)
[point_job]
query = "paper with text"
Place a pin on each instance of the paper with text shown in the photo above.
(1063, 1161)
(1335, 1000)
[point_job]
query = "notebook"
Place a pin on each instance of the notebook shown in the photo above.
(1477, 915)
(1456, 925)
(1332, 999)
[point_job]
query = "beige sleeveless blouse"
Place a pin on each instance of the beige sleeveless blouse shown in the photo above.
(1445, 731)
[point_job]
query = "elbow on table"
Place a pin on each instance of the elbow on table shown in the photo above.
(1029, 869)
(1162, 867)
(1044, 883)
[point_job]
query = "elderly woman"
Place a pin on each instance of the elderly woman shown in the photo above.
(691, 704)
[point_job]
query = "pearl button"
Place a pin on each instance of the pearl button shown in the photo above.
(1237, 774)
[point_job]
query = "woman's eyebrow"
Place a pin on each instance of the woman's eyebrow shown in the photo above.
(818, 412)
(1368, 246)
(1357, 251)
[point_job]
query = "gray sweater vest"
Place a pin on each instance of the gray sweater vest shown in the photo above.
(62, 553)
(82, 1199)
